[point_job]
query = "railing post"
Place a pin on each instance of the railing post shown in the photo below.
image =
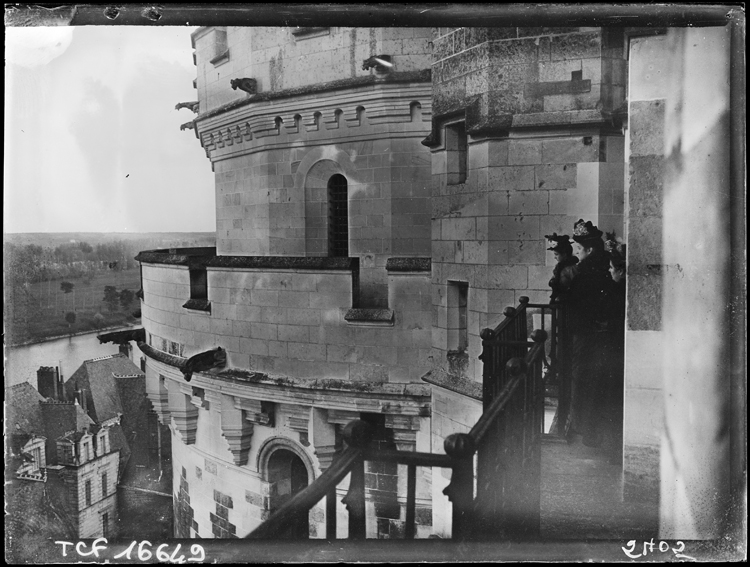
(411, 501)
(331, 514)
(460, 491)
(358, 434)
(355, 501)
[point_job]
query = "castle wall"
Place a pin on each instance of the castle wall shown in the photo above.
(285, 58)
(541, 152)
(291, 322)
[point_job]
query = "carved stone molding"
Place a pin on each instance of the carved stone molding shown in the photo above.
(404, 429)
(270, 122)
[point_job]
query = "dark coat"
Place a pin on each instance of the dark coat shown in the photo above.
(562, 277)
(587, 297)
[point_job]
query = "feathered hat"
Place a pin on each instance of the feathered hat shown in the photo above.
(584, 231)
(615, 248)
(559, 243)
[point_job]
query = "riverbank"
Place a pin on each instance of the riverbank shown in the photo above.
(44, 311)
(71, 335)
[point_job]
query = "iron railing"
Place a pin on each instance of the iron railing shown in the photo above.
(502, 499)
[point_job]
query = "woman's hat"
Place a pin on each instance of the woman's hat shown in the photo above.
(584, 231)
(558, 243)
(616, 249)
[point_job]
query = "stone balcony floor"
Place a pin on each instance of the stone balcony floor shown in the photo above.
(582, 497)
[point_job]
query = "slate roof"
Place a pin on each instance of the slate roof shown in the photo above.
(23, 414)
(115, 387)
(97, 377)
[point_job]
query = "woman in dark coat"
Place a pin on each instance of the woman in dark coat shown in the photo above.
(587, 319)
(562, 274)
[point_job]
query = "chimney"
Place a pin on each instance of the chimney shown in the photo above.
(82, 399)
(46, 383)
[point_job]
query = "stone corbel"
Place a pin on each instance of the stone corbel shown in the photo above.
(158, 396)
(256, 411)
(323, 438)
(298, 418)
(197, 396)
(237, 430)
(342, 417)
(404, 429)
(184, 413)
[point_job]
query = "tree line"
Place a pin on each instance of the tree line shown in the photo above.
(32, 263)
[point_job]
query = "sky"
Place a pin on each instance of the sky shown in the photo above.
(92, 137)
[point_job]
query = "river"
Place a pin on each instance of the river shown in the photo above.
(22, 362)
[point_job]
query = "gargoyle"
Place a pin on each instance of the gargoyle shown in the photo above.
(187, 126)
(123, 337)
(248, 85)
(215, 358)
(193, 105)
(380, 63)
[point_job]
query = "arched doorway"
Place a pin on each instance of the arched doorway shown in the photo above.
(287, 475)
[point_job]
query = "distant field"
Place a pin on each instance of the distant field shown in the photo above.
(38, 311)
(148, 239)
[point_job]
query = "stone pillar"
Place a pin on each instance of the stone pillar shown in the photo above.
(695, 459)
(643, 396)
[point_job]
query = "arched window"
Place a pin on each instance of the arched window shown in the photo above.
(338, 217)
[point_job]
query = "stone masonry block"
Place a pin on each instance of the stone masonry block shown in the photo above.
(528, 203)
(458, 229)
(558, 70)
(513, 178)
(644, 302)
(514, 228)
(646, 124)
(497, 252)
(576, 46)
(508, 277)
(497, 152)
(644, 242)
(514, 51)
(646, 186)
(524, 153)
(555, 176)
(570, 150)
(526, 252)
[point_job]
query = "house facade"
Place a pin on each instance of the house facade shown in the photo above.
(60, 489)
(382, 195)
